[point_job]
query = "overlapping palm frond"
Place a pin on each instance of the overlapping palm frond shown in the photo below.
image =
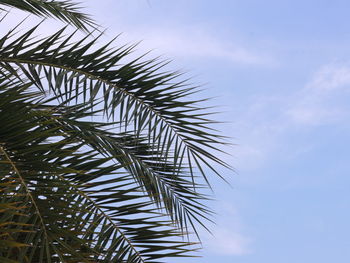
(64, 10)
(151, 107)
(99, 152)
(64, 202)
(136, 92)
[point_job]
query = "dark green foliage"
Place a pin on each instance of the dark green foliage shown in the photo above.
(66, 11)
(63, 203)
(98, 152)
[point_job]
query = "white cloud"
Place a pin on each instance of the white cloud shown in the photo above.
(313, 115)
(318, 102)
(330, 77)
(176, 37)
(196, 42)
(270, 121)
(228, 242)
(227, 238)
(193, 41)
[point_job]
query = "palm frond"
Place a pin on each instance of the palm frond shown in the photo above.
(163, 135)
(64, 201)
(67, 11)
(155, 174)
(150, 103)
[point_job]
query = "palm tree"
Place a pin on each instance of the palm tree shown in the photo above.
(102, 158)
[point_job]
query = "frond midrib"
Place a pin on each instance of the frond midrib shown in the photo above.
(16, 170)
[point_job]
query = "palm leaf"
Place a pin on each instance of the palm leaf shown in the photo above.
(164, 136)
(120, 189)
(66, 11)
(78, 206)
(135, 93)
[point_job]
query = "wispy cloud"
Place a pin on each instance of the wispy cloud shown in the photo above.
(227, 238)
(270, 120)
(315, 103)
(331, 77)
(197, 42)
(229, 242)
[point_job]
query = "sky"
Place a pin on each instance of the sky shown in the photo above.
(280, 75)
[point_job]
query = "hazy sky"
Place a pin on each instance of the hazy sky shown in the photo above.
(281, 73)
(281, 70)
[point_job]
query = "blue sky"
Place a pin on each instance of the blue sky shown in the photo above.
(281, 73)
